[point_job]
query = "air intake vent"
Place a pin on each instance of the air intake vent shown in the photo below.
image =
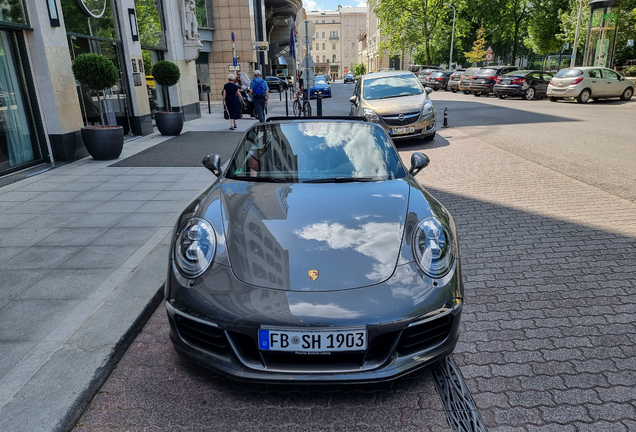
(423, 336)
(202, 336)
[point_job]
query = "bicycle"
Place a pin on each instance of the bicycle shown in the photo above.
(303, 107)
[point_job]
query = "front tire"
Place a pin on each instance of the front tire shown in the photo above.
(529, 93)
(466, 92)
(627, 94)
(584, 96)
(454, 90)
(552, 99)
(430, 137)
(306, 109)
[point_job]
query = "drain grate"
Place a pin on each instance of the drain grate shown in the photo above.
(459, 406)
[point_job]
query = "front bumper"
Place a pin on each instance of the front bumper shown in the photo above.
(424, 126)
(224, 338)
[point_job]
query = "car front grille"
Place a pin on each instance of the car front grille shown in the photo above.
(205, 337)
(380, 348)
(426, 335)
(409, 118)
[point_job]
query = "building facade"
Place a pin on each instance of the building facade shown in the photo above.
(326, 49)
(375, 58)
(43, 107)
(353, 23)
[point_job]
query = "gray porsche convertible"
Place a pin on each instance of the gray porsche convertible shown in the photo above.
(315, 256)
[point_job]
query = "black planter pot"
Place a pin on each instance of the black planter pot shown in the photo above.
(103, 143)
(169, 123)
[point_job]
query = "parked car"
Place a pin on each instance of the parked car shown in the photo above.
(417, 69)
(288, 79)
(257, 287)
(464, 80)
(425, 74)
(438, 80)
(453, 80)
(320, 84)
(398, 102)
(525, 84)
(349, 78)
(484, 79)
(585, 83)
(275, 83)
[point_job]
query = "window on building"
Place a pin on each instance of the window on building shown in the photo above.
(317, 59)
(324, 59)
(333, 58)
(323, 35)
(333, 46)
(324, 46)
(317, 35)
(333, 21)
(317, 46)
(323, 21)
(201, 13)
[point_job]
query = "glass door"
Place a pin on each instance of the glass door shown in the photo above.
(18, 141)
(155, 91)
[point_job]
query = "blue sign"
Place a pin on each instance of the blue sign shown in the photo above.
(233, 39)
(234, 62)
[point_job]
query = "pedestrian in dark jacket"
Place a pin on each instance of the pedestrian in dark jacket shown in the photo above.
(232, 100)
(260, 91)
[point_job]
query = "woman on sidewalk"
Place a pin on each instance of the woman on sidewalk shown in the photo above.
(231, 99)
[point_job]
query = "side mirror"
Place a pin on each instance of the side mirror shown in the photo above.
(213, 163)
(418, 162)
(352, 99)
(429, 90)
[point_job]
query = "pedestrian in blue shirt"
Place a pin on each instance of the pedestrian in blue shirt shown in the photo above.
(260, 91)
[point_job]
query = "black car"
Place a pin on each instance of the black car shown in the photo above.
(453, 80)
(315, 256)
(484, 79)
(438, 80)
(526, 84)
(349, 78)
(276, 83)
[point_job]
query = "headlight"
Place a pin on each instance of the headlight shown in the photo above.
(427, 109)
(433, 247)
(371, 116)
(194, 248)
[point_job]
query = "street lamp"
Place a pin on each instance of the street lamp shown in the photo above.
(450, 63)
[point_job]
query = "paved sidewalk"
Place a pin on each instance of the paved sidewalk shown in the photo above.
(83, 251)
(548, 338)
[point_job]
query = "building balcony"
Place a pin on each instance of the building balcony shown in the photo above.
(334, 38)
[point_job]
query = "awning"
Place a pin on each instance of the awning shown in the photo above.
(281, 61)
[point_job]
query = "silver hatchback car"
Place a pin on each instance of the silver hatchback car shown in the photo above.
(585, 83)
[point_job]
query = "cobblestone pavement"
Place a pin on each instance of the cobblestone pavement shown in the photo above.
(153, 388)
(548, 335)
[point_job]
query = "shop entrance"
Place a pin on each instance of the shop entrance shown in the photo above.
(19, 144)
(115, 100)
(155, 91)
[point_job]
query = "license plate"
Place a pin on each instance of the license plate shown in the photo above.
(505, 82)
(402, 130)
(270, 339)
(559, 90)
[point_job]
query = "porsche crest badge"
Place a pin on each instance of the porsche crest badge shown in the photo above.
(312, 275)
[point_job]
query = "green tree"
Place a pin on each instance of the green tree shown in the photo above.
(166, 74)
(412, 20)
(544, 26)
(97, 73)
(359, 69)
(478, 53)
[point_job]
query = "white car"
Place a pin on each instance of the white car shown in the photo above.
(585, 83)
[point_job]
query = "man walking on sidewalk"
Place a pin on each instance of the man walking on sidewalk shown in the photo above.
(260, 91)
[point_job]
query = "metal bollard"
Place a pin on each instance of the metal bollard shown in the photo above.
(286, 105)
(209, 106)
(280, 95)
(445, 118)
(319, 104)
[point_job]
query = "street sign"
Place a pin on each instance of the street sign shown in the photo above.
(489, 56)
(233, 68)
(234, 62)
(261, 46)
(489, 50)
(232, 36)
(630, 42)
(311, 30)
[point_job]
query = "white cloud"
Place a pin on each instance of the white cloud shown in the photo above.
(362, 4)
(310, 5)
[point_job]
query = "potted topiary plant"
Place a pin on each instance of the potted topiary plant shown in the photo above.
(97, 73)
(167, 74)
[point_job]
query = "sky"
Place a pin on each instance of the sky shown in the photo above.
(312, 5)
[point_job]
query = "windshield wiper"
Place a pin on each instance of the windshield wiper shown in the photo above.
(341, 180)
(397, 96)
(261, 179)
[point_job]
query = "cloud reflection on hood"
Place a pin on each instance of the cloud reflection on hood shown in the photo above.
(330, 310)
(380, 241)
(368, 160)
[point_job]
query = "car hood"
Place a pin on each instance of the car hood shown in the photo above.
(397, 105)
(284, 235)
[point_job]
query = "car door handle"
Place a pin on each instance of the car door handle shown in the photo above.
(594, 82)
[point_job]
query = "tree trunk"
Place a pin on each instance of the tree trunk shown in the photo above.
(514, 45)
(101, 113)
(166, 98)
(428, 51)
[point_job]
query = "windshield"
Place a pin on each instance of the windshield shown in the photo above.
(569, 73)
(321, 82)
(309, 151)
(391, 86)
(486, 72)
(414, 68)
(470, 71)
(437, 74)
